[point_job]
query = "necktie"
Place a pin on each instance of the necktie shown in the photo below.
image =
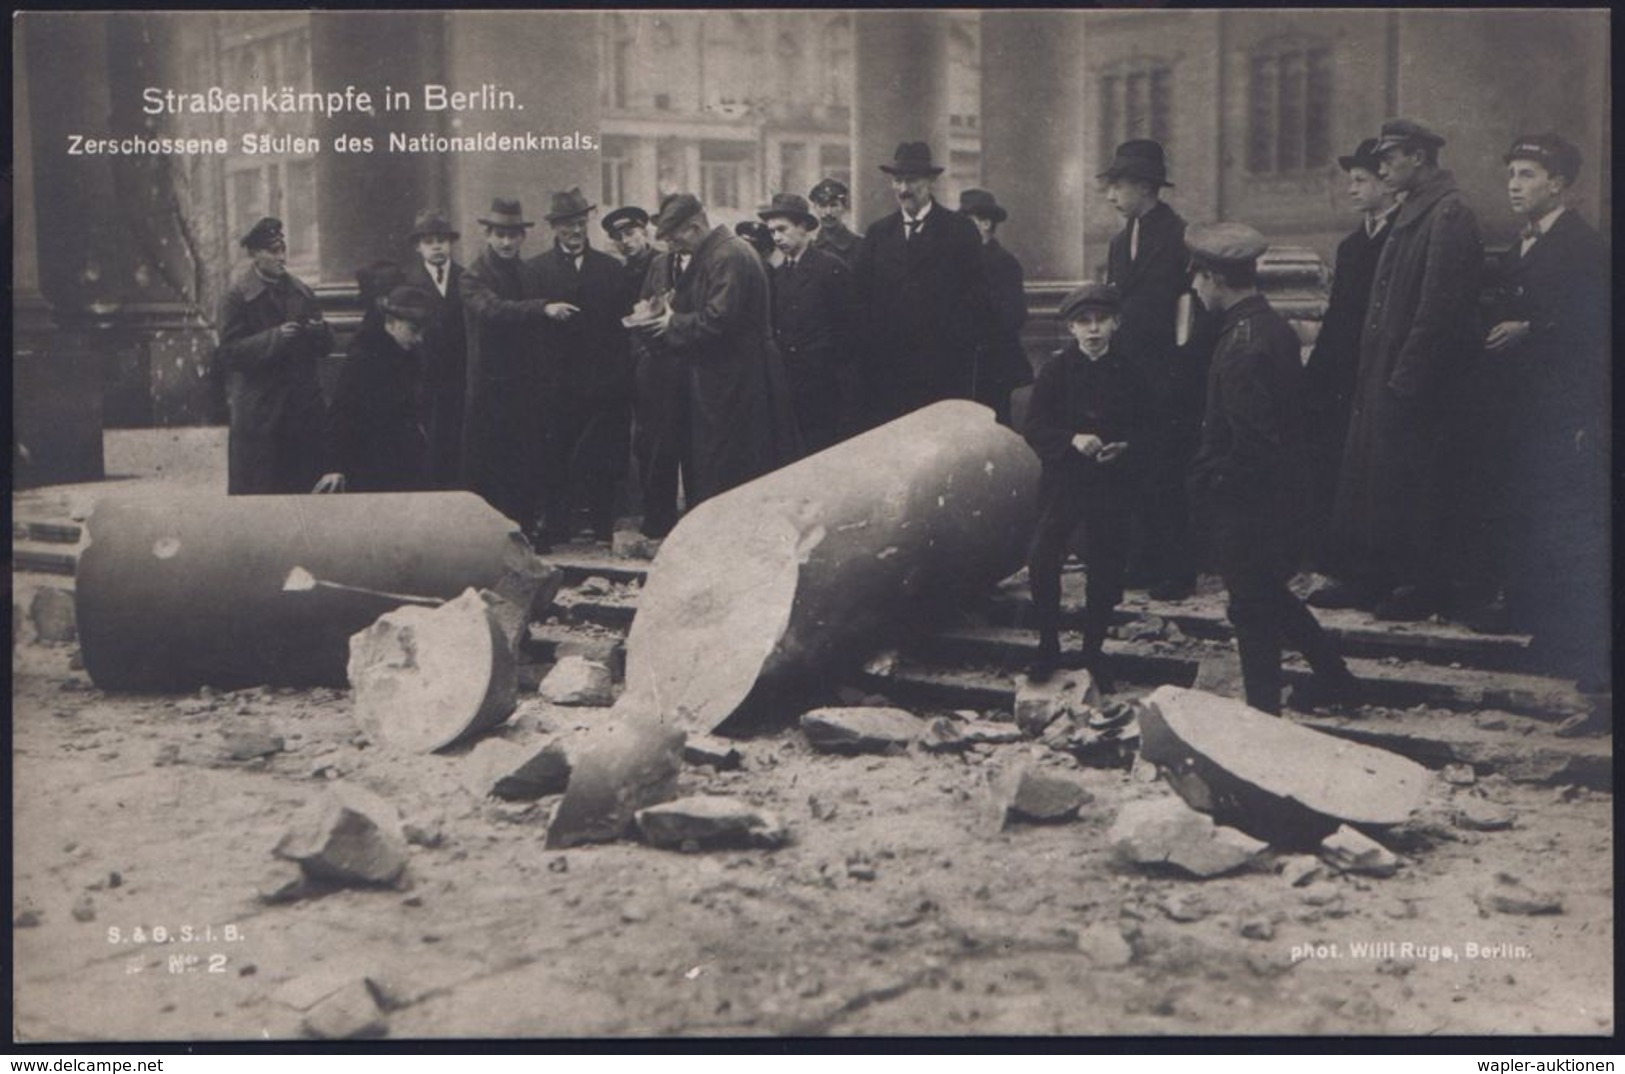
(1134, 239)
(440, 277)
(1530, 235)
(910, 226)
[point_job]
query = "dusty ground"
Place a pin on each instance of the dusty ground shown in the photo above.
(128, 813)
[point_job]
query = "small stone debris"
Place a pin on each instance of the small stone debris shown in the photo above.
(351, 1013)
(1258, 928)
(167, 755)
(709, 821)
(1144, 628)
(1301, 870)
(711, 750)
(576, 680)
(1219, 675)
(1459, 775)
(1321, 893)
(861, 870)
(1477, 815)
(1164, 831)
(84, 909)
(27, 919)
(1351, 851)
(630, 544)
(596, 586)
(608, 650)
(1510, 895)
(1022, 794)
(861, 730)
(250, 745)
(282, 882)
(619, 768)
(488, 763)
(1104, 946)
(349, 837)
(546, 772)
(52, 612)
(989, 733)
(1040, 704)
(820, 809)
(1185, 907)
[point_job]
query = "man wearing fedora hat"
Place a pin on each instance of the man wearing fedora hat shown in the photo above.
(832, 201)
(587, 402)
(1249, 480)
(1396, 517)
(812, 313)
(377, 432)
(445, 343)
(922, 299)
(1146, 261)
(1001, 365)
(501, 433)
(272, 335)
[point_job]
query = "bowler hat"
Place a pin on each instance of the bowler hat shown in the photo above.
(675, 211)
(433, 222)
(1091, 296)
(1138, 158)
(625, 217)
(378, 279)
(1555, 153)
(976, 202)
(567, 205)
(1224, 244)
(912, 159)
(266, 233)
(1365, 156)
(1407, 132)
(409, 304)
(792, 206)
(829, 192)
(505, 212)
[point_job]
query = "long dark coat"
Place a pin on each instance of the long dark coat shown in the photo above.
(1421, 326)
(659, 401)
(445, 372)
(1151, 285)
(812, 323)
(1002, 365)
(376, 427)
(923, 309)
(501, 427)
(839, 241)
(1074, 394)
(276, 441)
(738, 404)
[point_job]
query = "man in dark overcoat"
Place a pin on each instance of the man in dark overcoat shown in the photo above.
(922, 297)
(833, 201)
(587, 404)
(1001, 363)
(628, 230)
(272, 335)
(1548, 345)
(445, 343)
(718, 325)
(1146, 262)
(812, 319)
(502, 428)
(1249, 480)
(1393, 517)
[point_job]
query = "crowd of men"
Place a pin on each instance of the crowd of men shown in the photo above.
(1439, 453)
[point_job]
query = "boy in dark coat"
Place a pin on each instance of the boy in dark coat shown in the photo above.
(1086, 418)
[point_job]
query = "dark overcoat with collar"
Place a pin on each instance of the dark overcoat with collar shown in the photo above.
(1151, 285)
(587, 357)
(377, 426)
(501, 431)
(812, 323)
(839, 241)
(445, 371)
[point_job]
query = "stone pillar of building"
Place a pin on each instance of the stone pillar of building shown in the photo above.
(900, 95)
(1033, 128)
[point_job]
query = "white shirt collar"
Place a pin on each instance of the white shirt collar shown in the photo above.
(1545, 223)
(923, 213)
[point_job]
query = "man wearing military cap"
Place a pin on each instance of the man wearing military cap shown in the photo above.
(1249, 480)
(1086, 422)
(272, 335)
(445, 343)
(1146, 262)
(1001, 363)
(1396, 519)
(833, 201)
(922, 298)
(812, 318)
(1548, 352)
(628, 229)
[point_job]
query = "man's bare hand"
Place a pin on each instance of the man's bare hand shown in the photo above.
(1112, 451)
(1506, 334)
(658, 327)
(330, 483)
(561, 311)
(1087, 444)
(289, 329)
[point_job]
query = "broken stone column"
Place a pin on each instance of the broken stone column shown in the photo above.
(1273, 779)
(177, 591)
(620, 768)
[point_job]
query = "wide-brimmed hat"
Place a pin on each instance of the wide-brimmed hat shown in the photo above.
(791, 206)
(265, 233)
(567, 205)
(1555, 153)
(409, 304)
(675, 211)
(1224, 244)
(830, 192)
(1091, 296)
(1138, 158)
(626, 216)
(505, 212)
(911, 159)
(1365, 156)
(978, 202)
(433, 222)
(1409, 133)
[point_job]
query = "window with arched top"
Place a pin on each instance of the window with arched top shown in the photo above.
(1136, 98)
(1289, 106)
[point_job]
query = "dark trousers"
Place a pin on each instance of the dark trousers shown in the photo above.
(286, 461)
(1266, 615)
(503, 449)
(1164, 547)
(659, 437)
(1104, 521)
(585, 451)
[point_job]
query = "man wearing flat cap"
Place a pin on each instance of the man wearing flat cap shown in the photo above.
(922, 299)
(272, 335)
(587, 402)
(1395, 520)
(1086, 423)
(1547, 352)
(445, 343)
(717, 322)
(501, 430)
(1249, 480)
(812, 318)
(1001, 363)
(1146, 262)
(376, 428)
(832, 201)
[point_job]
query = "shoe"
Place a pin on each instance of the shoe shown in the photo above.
(1338, 595)
(1172, 589)
(1490, 618)
(1043, 668)
(1327, 690)
(1407, 604)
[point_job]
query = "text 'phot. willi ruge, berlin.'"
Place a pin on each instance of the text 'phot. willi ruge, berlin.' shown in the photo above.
(796, 523)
